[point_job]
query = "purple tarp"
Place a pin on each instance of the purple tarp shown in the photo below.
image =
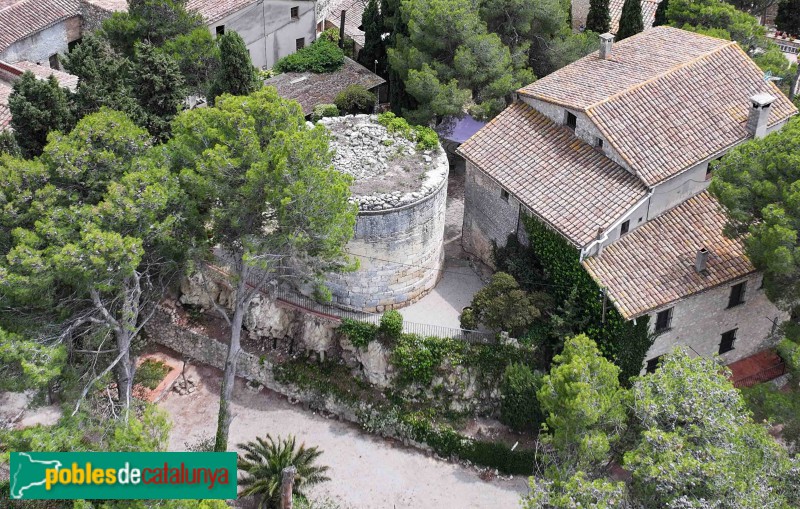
(459, 130)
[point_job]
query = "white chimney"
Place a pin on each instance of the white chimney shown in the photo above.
(759, 114)
(701, 260)
(606, 40)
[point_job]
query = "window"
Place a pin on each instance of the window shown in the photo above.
(599, 143)
(504, 194)
(623, 229)
(300, 43)
(652, 364)
(71, 45)
(54, 62)
(572, 121)
(295, 12)
(737, 294)
(220, 30)
(664, 320)
(728, 338)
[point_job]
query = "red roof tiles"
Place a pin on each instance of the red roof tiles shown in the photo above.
(654, 264)
(564, 181)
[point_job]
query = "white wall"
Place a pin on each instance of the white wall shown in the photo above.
(268, 29)
(38, 47)
(699, 321)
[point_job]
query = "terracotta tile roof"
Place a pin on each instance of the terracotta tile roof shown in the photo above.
(67, 80)
(654, 264)
(215, 10)
(310, 89)
(666, 99)
(27, 17)
(564, 181)
(5, 113)
(352, 19)
(109, 5)
(648, 13)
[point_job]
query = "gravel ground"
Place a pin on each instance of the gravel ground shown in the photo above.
(366, 472)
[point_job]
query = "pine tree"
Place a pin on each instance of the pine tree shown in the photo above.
(38, 107)
(788, 18)
(159, 88)
(374, 47)
(661, 14)
(630, 22)
(236, 74)
(599, 19)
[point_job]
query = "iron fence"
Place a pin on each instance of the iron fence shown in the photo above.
(765, 375)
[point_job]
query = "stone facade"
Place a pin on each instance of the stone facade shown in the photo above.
(699, 321)
(402, 195)
(39, 47)
(489, 215)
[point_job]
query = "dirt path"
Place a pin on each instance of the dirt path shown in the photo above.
(366, 472)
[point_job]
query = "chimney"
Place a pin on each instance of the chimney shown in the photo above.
(606, 40)
(599, 238)
(701, 260)
(759, 114)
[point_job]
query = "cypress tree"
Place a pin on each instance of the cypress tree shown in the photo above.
(38, 107)
(599, 19)
(236, 74)
(661, 14)
(630, 22)
(788, 17)
(374, 49)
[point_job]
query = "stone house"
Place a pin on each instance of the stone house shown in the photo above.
(39, 30)
(613, 152)
(271, 29)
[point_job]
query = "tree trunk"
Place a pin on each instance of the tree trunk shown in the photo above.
(229, 379)
(124, 371)
(287, 483)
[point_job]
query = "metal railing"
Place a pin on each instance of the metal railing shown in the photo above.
(765, 375)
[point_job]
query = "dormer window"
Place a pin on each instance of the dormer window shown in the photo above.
(599, 143)
(572, 121)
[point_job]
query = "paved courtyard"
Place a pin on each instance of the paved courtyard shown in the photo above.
(443, 305)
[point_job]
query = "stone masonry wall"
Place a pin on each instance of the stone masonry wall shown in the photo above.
(699, 321)
(400, 253)
(487, 215)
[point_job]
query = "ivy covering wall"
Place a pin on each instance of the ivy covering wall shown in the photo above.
(620, 340)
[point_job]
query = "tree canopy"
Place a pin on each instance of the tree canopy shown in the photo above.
(788, 17)
(630, 21)
(758, 183)
(599, 18)
(38, 107)
(235, 74)
(449, 61)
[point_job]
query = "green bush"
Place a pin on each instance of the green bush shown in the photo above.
(151, 373)
(427, 139)
(355, 99)
(519, 407)
(417, 359)
(320, 56)
(467, 319)
(359, 333)
(790, 353)
(501, 457)
(324, 110)
(392, 324)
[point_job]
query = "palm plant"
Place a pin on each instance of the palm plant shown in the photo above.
(263, 462)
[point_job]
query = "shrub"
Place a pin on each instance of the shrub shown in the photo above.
(418, 359)
(395, 124)
(427, 139)
(501, 457)
(790, 353)
(330, 35)
(392, 324)
(320, 56)
(503, 305)
(355, 99)
(151, 373)
(359, 333)
(467, 319)
(519, 407)
(324, 110)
